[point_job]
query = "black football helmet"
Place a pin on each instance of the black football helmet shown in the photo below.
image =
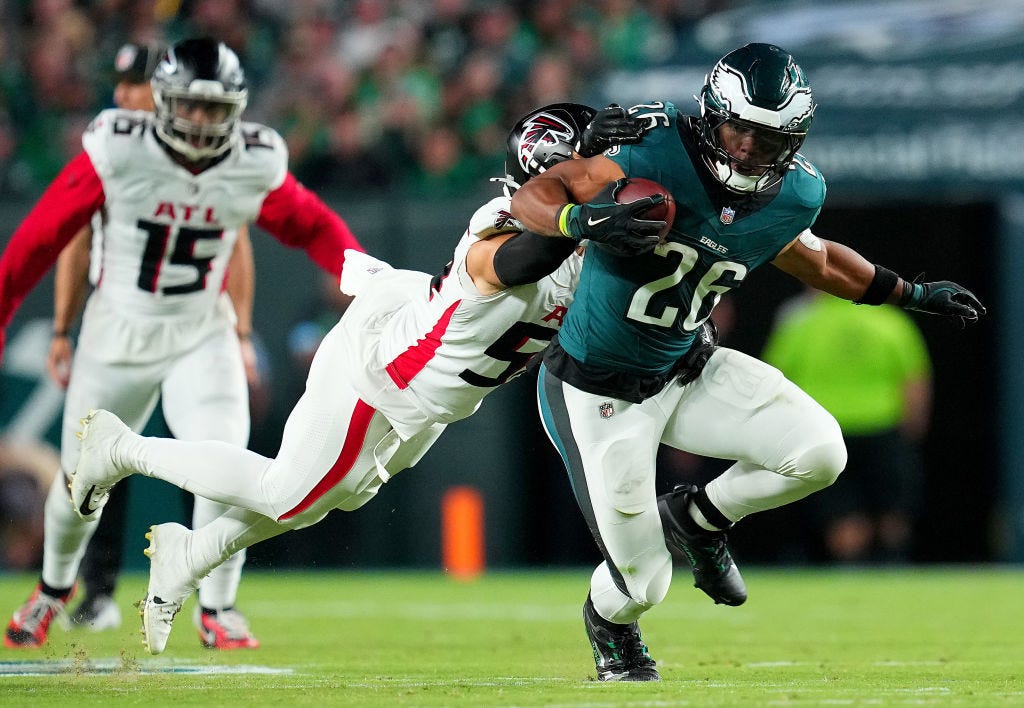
(761, 89)
(199, 73)
(542, 138)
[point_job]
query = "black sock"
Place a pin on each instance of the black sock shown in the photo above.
(59, 593)
(710, 511)
(680, 507)
(208, 611)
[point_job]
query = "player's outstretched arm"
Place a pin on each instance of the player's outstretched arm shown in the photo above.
(941, 297)
(508, 260)
(841, 271)
(298, 218)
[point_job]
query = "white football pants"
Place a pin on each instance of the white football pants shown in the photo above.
(786, 446)
(126, 366)
(336, 452)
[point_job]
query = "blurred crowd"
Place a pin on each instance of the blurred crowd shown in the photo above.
(414, 94)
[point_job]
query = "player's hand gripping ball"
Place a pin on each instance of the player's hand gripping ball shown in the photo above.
(640, 187)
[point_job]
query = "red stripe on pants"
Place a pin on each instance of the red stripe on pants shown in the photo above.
(361, 418)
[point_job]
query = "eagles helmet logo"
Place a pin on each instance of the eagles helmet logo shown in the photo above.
(542, 129)
(793, 104)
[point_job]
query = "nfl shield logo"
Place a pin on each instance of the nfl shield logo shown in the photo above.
(727, 215)
(606, 409)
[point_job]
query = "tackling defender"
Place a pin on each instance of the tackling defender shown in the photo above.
(410, 355)
(607, 389)
(174, 189)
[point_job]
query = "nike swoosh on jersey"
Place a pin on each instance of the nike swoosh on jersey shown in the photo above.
(594, 222)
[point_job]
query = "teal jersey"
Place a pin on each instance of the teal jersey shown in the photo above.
(639, 315)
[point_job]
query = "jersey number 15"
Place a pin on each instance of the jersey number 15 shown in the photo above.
(157, 238)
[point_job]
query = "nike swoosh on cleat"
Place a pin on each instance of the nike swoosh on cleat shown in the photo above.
(87, 508)
(594, 222)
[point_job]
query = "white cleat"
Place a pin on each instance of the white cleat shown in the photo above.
(170, 583)
(96, 474)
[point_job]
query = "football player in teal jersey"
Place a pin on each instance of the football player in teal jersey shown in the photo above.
(635, 363)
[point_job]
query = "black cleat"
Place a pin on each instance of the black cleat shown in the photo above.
(619, 652)
(714, 571)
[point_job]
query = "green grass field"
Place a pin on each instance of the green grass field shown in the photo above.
(950, 636)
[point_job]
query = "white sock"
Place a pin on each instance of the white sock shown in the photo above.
(65, 536)
(231, 532)
(219, 589)
(215, 470)
(699, 518)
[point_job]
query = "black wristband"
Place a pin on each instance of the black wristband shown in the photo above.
(60, 333)
(881, 287)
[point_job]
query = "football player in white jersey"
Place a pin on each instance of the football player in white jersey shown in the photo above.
(174, 188)
(99, 568)
(410, 355)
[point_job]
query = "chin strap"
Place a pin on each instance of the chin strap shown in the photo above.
(744, 183)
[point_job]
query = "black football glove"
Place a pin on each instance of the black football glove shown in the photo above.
(617, 227)
(942, 297)
(611, 126)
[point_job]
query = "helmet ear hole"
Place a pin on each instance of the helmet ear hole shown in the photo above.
(543, 138)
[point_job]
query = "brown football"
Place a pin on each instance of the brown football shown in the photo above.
(640, 187)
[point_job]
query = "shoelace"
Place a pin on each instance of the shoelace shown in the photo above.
(634, 651)
(713, 546)
(233, 622)
(42, 608)
(631, 650)
(719, 550)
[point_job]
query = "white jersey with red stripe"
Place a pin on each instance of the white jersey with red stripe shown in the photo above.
(168, 233)
(429, 349)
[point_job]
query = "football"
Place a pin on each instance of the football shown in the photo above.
(640, 187)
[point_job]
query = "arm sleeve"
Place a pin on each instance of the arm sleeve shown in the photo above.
(65, 207)
(527, 257)
(299, 219)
